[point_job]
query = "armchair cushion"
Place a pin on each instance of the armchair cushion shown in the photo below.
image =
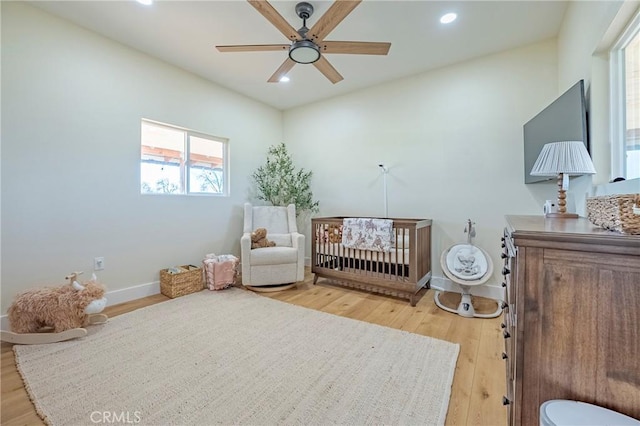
(281, 240)
(273, 256)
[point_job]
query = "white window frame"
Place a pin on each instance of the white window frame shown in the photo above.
(618, 108)
(185, 175)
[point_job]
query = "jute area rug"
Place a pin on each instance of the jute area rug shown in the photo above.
(232, 357)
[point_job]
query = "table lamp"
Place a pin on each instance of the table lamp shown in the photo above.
(563, 159)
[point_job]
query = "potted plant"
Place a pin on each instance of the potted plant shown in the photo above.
(280, 183)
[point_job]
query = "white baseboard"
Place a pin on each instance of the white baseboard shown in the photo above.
(490, 291)
(114, 297)
(132, 293)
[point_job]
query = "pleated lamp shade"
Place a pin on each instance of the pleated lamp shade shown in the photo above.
(563, 159)
(567, 157)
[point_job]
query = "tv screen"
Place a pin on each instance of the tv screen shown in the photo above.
(564, 120)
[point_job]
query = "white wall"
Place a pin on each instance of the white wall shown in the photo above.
(452, 139)
(585, 38)
(583, 26)
(72, 102)
(582, 29)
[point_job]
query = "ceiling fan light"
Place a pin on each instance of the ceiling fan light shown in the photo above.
(304, 52)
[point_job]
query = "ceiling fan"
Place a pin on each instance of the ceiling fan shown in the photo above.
(308, 46)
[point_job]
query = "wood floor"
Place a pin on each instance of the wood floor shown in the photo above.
(478, 385)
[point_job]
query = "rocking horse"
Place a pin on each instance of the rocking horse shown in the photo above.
(55, 314)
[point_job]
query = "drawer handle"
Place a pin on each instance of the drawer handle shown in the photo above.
(504, 284)
(503, 325)
(505, 271)
(503, 255)
(504, 356)
(506, 334)
(504, 305)
(505, 401)
(502, 245)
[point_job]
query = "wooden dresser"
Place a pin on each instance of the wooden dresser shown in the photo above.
(572, 316)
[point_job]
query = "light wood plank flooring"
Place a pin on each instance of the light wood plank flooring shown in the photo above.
(478, 386)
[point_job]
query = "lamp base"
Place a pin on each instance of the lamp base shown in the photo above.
(561, 216)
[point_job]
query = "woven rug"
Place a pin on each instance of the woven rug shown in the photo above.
(232, 357)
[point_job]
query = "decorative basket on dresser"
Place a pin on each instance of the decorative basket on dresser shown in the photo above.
(619, 213)
(572, 317)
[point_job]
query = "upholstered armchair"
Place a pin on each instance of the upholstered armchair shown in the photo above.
(267, 267)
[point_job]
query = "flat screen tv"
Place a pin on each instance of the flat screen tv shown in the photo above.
(564, 120)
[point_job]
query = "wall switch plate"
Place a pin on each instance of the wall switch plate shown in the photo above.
(98, 263)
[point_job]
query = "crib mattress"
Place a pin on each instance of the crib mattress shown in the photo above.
(395, 256)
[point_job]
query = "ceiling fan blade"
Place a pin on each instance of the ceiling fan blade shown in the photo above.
(282, 71)
(355, 47)
(328, 70)
(275, 18)
(327, 22)
(253, 48)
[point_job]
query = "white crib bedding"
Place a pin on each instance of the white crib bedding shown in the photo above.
(395, 256)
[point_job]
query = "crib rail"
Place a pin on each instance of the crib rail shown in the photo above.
(401, 272)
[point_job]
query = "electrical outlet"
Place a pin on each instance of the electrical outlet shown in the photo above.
(98, 263)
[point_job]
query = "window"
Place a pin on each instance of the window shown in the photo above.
(625, 103)
(179, 161)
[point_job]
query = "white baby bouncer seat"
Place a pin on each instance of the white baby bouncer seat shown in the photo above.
(467, 266)
(467, 263)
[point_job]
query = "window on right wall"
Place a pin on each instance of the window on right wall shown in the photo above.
(625, 103)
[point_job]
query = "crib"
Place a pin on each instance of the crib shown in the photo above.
(400, 272)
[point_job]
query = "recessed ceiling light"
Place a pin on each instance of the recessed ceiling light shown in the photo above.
(448, 18)
(145, 2)
(284, 79)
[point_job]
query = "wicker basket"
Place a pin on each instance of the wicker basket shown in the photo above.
(615, 212)
(181, 283)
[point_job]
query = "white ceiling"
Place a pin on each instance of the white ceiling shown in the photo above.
(185, 33)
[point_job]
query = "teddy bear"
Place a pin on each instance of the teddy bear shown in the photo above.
(335, 233)
(259, 239)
